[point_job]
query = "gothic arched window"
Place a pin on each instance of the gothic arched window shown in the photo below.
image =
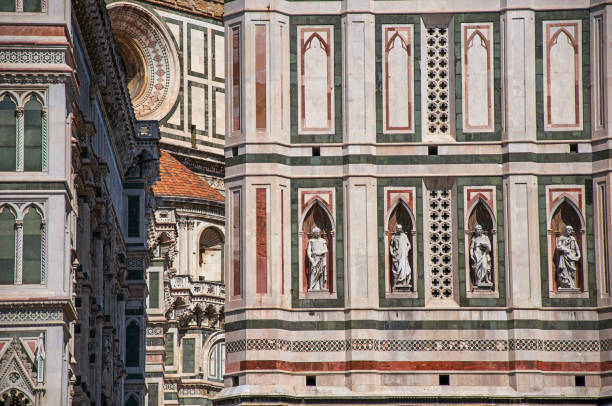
(7, 245)
(33, 125)
(32, 245)
(8, 133)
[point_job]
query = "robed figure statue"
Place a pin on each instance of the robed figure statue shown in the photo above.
(480, 256)
(317, 256)
(569, 255)
(399, 249)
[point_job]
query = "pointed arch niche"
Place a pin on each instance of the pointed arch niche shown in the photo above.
(565, 207)
(480, 208)
(399, 210)
(317, 210)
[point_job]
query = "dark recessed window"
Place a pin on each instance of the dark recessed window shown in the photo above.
(235, 381)
(316, 151)
(234, 151)
(573, 148)
(580, 380)
(311, 380)
(444, 380)
(432, 150)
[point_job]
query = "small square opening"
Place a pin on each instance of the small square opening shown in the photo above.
(573, 148)
(234, 151)
(316, 151)
(444, 380)
(580, 380)
(235, 381)
(432, 150)
(311, 380)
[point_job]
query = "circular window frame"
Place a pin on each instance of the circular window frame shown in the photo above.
(154, 47)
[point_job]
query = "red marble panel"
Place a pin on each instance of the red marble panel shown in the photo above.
(260, 76)
(261, 240)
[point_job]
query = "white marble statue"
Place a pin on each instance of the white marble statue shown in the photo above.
(569, 255)
(480, 256)
(399, 248)
(317, 256)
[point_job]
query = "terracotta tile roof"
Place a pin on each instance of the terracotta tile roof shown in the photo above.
(175, 180)
(206, 8)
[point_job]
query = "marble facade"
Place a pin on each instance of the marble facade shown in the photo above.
(483, 132)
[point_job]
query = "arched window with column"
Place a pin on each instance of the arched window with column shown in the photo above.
(7, 245)
(33, 134)
(32, 245)
(8, 133)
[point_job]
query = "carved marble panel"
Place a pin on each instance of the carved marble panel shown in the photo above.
(398, 79)
(315, 79)
(477, 76)
(562, 75)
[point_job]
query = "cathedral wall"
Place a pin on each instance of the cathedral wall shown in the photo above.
(438, 123)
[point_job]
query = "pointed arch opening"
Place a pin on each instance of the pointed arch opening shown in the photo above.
(32, 245)
(132, 400)
(8, 133)
(567, 214)
(210, 254)
(7, 245)
(318, 216)
(33, 134)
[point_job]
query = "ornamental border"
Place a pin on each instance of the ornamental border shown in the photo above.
(371, 344)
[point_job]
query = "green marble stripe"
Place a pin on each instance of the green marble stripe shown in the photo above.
(414, 159)
(570, 325)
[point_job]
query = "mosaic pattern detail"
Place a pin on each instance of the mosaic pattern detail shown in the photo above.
(437, 85)
(30, 315)
(440, 244)
(32, 57)
(370, 344)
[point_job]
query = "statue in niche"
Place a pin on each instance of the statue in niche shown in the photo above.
(317, 256)
(569, 255)
(399, 249)
(480, 258)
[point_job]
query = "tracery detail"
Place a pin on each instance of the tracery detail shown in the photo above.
(437, 63)
(440, 243)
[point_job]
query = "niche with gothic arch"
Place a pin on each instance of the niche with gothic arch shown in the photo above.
(210, 254)
(480, 230)
(566, 214)
(401, 251)
(481, 248)
(317, 268)
(567, 243)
